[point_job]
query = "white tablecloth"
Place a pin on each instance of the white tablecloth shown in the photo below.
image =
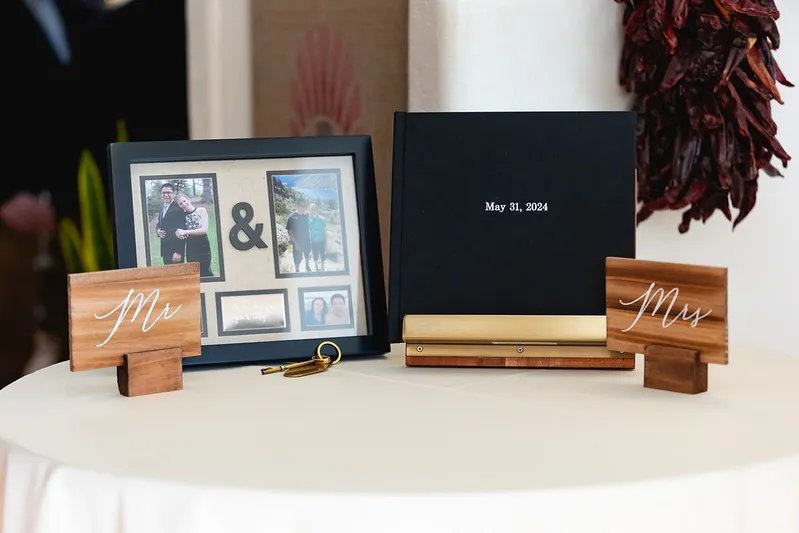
(373, 446)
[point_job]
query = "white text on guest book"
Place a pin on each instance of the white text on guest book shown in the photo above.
(649, 296)
(139, 301)
(514, 207)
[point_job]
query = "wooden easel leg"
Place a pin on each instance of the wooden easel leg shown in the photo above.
(674, 370)
(151, 372)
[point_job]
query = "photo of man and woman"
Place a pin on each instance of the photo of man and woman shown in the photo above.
(307, 223)
(326, 308)
(182, 223)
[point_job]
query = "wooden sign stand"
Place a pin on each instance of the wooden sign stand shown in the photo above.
(675, 314)
(143, 321)
(674, 369)
(151, 372)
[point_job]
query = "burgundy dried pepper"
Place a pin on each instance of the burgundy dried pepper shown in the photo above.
(704, 77)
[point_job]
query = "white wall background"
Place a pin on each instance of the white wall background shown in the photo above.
(527, 55)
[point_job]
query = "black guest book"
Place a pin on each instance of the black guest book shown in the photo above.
(501, 214)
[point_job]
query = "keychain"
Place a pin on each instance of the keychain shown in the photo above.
(316, 365)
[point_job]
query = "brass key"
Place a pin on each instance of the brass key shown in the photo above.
(283, 368)
(319, 365)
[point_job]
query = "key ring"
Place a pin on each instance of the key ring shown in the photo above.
(334, 345)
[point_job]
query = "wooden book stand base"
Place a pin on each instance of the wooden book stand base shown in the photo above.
(151, 372)
(674, 370)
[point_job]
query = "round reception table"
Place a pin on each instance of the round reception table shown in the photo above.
(373, 446)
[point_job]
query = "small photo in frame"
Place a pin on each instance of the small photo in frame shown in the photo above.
(252, 312)
(308, 227)
(326, 308)
(181, 222)
(274, 224)
(203, 317)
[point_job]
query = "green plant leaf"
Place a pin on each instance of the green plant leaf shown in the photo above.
(95, 251)
(69, 240)
(98, 247)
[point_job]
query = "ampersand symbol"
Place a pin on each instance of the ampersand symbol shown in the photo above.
(242, 224)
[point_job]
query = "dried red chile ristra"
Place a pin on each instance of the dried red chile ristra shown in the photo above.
(704, 77)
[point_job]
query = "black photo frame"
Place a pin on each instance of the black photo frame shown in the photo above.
(253, 242)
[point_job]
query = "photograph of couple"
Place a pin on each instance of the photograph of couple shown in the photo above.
(326, 308)
(307, 223)
(182, 223)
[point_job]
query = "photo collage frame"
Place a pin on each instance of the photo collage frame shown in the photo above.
(279, 241)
